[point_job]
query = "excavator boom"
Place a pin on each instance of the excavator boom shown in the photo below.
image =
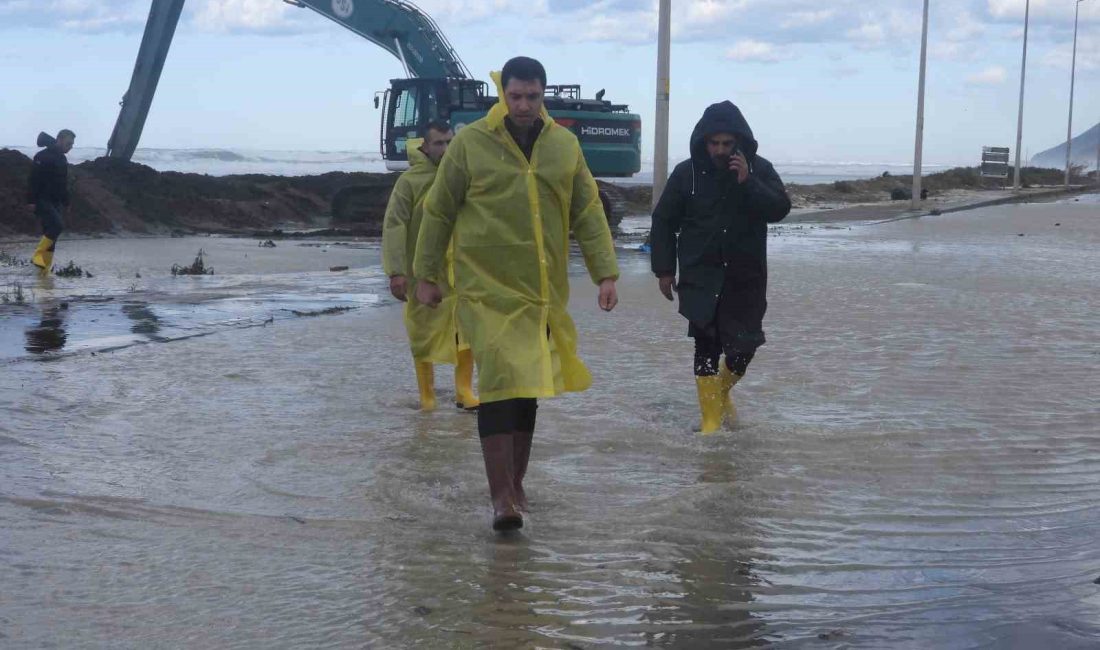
(397, 26)
(400, 28)
(159, 28)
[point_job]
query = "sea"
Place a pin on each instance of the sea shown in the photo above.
(224, 162)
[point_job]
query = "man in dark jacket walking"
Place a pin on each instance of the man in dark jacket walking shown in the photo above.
(713, 220)
(48, 190)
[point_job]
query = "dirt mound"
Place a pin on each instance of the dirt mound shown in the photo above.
(115, 196)
(879, 189)
(16, 217)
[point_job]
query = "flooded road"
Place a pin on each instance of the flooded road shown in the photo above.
(917, 462)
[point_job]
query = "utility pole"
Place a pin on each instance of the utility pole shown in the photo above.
(660, 140)
(920, 112)
(1072, 74)
(1020, 122)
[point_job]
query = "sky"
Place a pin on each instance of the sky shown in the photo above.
(828, 81)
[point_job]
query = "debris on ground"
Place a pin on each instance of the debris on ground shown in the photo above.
(337, 268)
(198, 267)
(832, 635)
(14, 295)
(71, 270)
(267, 244)
(10, 260)
(321, 312)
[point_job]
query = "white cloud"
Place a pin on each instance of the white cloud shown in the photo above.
(1060, 58)
(868, 33)
(464, 12)
(74, 15)
(964, 27)
(1043, 11)
(991, 76)
(702, 16)
(886, 29)
(754, 51)
(242, 15)
(958, 28)
(807, 18)
(962, 39)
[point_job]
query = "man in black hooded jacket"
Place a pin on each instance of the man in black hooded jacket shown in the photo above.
(48, 190)
(712, 221)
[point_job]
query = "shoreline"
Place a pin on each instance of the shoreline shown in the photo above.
(873, 212)
(124, 199)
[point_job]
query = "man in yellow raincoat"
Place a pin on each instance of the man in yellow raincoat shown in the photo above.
(432, 334)
(511, 189)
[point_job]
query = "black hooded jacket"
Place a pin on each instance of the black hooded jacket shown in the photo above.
(710, 225)
(49, 180)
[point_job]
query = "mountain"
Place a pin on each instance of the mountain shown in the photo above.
(1083, 152)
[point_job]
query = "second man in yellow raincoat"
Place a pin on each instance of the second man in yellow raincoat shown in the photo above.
(432, 333)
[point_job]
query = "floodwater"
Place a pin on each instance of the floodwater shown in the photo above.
(200, 464)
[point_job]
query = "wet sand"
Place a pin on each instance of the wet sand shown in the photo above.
(916, 463)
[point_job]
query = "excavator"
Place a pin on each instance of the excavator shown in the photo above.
(437, 86)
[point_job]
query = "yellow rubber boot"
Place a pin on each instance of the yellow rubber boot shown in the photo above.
(729, 380)
(710, 403)
(425, 381)
(43, 254)
(464, 381)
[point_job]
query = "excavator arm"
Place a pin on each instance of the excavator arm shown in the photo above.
(400, 28)
(397, 26)
(159, 29)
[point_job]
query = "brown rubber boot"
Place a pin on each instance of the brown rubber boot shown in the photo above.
(498, 452)
(522, 454)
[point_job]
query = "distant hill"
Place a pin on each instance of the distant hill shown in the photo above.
(1083, 152)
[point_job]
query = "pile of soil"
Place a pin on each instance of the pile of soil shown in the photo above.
(114, 196)
(638, 197)
(16, 217)
(878, 189)
(119, 197)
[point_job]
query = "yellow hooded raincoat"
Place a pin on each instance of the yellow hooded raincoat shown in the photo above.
(511, 221)
(431, 331)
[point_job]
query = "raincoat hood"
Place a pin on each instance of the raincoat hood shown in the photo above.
(417, 157)
(499, 111)
(722, 117)
(45, 140)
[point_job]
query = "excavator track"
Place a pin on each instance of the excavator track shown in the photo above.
(614, 203)
(361, 207)
(364, 206)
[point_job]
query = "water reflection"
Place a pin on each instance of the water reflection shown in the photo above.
(145, 321)
(711, 567)
(49, 334)
(714, 609)
(511, 590)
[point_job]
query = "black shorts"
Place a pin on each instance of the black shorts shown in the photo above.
(507, 416)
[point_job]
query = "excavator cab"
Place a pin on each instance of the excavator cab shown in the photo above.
(609, 134)
(411, 104)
